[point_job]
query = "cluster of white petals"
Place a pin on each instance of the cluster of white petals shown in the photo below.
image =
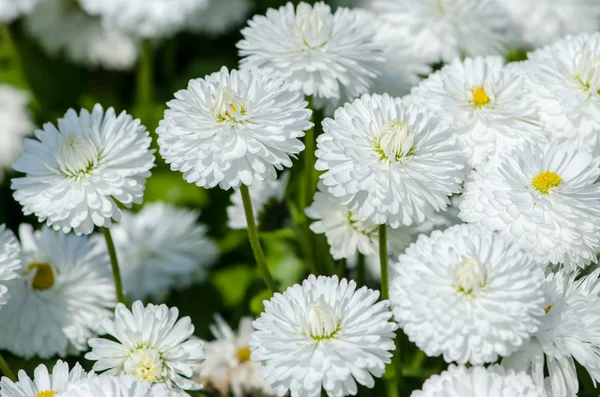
(16, 123)
(11, 9)
(115, 386)
(218, 16)
(10, 261)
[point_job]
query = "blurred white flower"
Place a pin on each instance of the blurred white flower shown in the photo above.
(488, 105)
(331, 56)
(389, 161)
(77, 173)
(569, 333)
(160, 248)
(263, 194)
(233, 128)
(446, 29)
(323, 334)
(10, 261)
(12, 9)
(114, 386)
(228, 367)
(219, 16)
(546, 198)
(64, 291)
(16, 123)
(93, 44)
(151, 344)
(467, 293)
(493, 381)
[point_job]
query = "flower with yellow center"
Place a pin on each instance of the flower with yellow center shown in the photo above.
(45, 393)
(480, 97)
(44, 383)
(546, 180)
(44, 276)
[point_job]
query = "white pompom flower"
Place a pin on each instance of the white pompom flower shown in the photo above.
(115, 386)
(326, 334)
(233, 128)
(151, 345)
(10, 261)
(16, 122)
(546, 198)
(219, 16)
(77, 173)
(389, 161)
(467, 293)
(330, 56)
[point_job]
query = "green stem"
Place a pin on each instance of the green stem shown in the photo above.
(309, 162)
(360, 270)
(342, 267)
(6, 369)
(391, 388)
(255, 242)
(145, 77)
(383, 260)
(112, 253)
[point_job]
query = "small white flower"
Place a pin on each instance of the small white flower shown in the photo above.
(323, 334)
(479, 381)
(16, 123)
(264, 194)
(93, 45)
(151, 345)
(228, 367)
(77, 173)
(115, 386)
(569, 333)
(467, 293)
(160, 248)
(389, 161)
(219, 16)
(10, 261)
(331, 56)
(446, 29)
(64, 291)
(546, 198)
(488, 105)
(43, 384)
(233, 128)
(12, 9)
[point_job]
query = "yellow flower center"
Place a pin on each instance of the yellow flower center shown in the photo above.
(243, 354)
(45, 393)
(43, 279)
(548, 308)
(145, 364)
(480, 97)
(546, 180)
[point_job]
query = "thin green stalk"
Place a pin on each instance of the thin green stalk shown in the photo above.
(360, 270)
(112, 253)
(255, 242)
(145, 77)
(383, 260)
(342, 264)
(309, 162)
(6, 371)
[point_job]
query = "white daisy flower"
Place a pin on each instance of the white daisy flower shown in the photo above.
(541, 22)
(489, 106)
(94, 44)
(65, 290)
(331, 56)
(569, 333)
(389, 161)
(467, 293)
(233, 128)
(479, 381)
(264, 195)
(160, 248)
(43, 384)
(219, 16)
(16, 123)
(145, 19)
(323, 334)
(12, 9)
(546, 198)
(228, 367)
(446, 29)
(10, 261)
(151, 344)
(77, 173)
(565, 80)
(115, 386)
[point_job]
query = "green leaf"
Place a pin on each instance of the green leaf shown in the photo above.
(172, 188)
(256, 303)
(232, 282)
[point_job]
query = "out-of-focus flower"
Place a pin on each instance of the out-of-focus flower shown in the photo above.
(16, 123)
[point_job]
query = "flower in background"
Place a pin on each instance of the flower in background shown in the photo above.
(12, 9)
(77, 173)
(10, 261)
(467, 293)
(488, 105)
(43, 384)
(228, 367)
(64, 291)
(16, 123)
(151, 345)
(233, 128)
(446, 29)
(160, 248)
(323, 334)
(568, 334)
(266, 198)
(389, 161)
(330, 56)
(493, 381)
(115, 386)
(94, 44)
(219, 16)
(546, 198)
